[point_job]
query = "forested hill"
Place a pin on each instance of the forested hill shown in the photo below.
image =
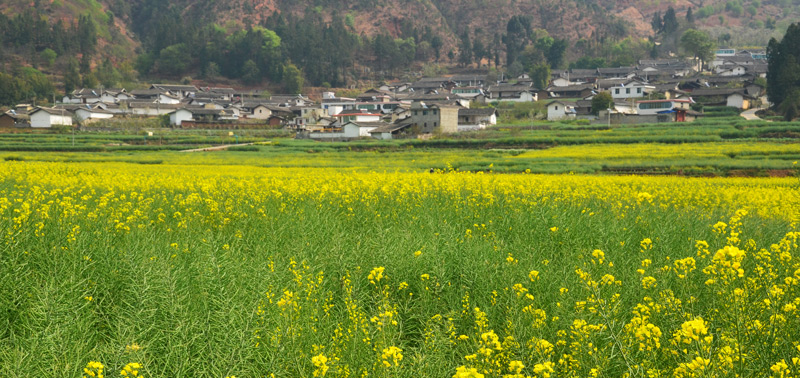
(111, 42)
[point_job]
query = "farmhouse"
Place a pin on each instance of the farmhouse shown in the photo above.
(435, 117)
(84, 114)
(390, 130)
(650, 107)
(476, 119)
(360, 129)
(49, 117)
(557, 110)
(12, 119)
(734, 97)
(512, 92)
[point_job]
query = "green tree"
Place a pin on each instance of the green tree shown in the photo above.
(783, 74)
(602, 101)
(657, 23)
(671, 24)
(90, 80)
(465, 50)
(48, 56)
(107, 74)
(540, 75)
(293, 79)
(250, 72)
(174, 60)
(698, 44)
(72, 77)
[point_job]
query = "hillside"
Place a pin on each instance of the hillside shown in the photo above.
(334, 42)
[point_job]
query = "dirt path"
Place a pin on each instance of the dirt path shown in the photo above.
(217, 148)
(750, 115)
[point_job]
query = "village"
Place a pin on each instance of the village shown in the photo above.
(653, 91)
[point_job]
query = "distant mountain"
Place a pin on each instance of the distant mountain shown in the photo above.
(334, 42)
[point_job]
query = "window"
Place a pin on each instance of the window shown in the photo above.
(616, 91)
(556, 107)
(424, 112)
(425, 125)
(627, 91)
(639, 90)
(435, 124)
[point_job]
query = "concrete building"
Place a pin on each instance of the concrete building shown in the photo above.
(436, 117)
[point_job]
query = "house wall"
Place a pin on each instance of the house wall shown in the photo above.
(6, 121)
(633, 119)
(633, 91)
(354, 131)
(152, 112)
(84, 114)
(449, 120)
(555, 112)
(168, 100)
(179, 116)
(737, 101)
(427, 120)
(653, 111)
(261, 112)
(44, 119)
(561, 82)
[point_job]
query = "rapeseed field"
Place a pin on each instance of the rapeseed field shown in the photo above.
(115, 269)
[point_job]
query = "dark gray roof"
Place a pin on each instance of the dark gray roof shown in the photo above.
(53, 111)
(716, 91)
(175, 87)
(390, 127)
(510, 88)
(477, 112)
(616, 70)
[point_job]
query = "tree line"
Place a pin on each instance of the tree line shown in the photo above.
(783, 77)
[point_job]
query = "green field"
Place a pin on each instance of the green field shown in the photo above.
(293, 258)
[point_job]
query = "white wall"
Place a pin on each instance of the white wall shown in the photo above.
(84, 114)
(556, 111)
(179, 116)
(45, 119)
(628, 91)
(735, 100)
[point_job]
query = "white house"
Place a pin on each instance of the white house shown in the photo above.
(738, 100)
(178, 116)
(165, 98)
(333, 105)
(360, 129)
(261, 112)
(559, 110)
(476, 119)
(512, 92)
(630, 89)
(650, 107)
(49, 117)
(561, 82)
(356, 115)
(84, 114)
(730, 70)
(467, 92)
(390, 130)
